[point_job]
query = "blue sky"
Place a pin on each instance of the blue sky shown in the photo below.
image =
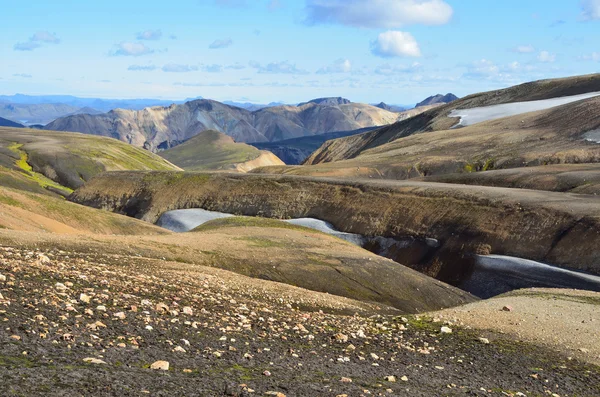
(397, 51)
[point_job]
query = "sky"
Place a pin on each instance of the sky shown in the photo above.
(261, 51)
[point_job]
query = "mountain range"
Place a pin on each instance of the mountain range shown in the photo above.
(158, 128)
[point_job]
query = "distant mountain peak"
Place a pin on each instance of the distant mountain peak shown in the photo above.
(328, 101)
(389, 108)
(439, 98)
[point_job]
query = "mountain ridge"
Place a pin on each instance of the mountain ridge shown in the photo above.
(159, 128)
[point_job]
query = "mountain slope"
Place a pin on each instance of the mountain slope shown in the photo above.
(8, 123)
(36, 113)
(62, 161)
(559, 135)
(213, 150)
(160, 128)
(438, 119)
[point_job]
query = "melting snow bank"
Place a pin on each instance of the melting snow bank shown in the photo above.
(491, 275)
(327, 227)
(185, 220)
(592, 136)
(495, 274)
(485, 113)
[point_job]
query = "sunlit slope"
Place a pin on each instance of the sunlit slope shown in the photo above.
(62, 160)
(213, 150)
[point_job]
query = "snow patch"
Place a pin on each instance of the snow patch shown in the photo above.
(486, 113)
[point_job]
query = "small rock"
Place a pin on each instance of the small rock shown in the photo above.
(274, 393)
(15, 337)
(179, 349)
(101, 308)
(485, 341)
(267, 373)
(160, 365)
(92, 360)
(340, 338)
(84, 298)
(345, 380)
(404, 378)
(120, 315)
(188, 310)
(390, 378)
(584, 350)
(446, 330)
(507, 309)
(60, 286)
(2, 277)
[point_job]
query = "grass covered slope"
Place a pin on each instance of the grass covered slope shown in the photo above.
(213, 150)
(66, 160)
(27, 207)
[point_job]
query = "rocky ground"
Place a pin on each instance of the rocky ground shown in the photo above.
(108, 325)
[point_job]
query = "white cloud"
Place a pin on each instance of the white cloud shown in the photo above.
(212, 68)
(26, 46)
(524, 49)
(590, 9)
(273, 5)
(142, 68)
(339, 66)
(35, 41)
(389, 70)
(395, 44)
(149, 35)
(236, 66)
(284, 67)
(45, 37)
(221, 44)
(126, 48)
(546, 57)
(23, 75)
(378, 13)
(177, 68)
(594, 56)
(231, 3)
(482, 69)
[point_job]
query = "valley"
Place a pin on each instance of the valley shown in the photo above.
(404, 257)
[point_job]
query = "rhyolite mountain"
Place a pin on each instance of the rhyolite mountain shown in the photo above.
(159, 128)
(438, 99)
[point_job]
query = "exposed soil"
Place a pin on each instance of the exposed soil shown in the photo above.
(221, 333)
(565, 320)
